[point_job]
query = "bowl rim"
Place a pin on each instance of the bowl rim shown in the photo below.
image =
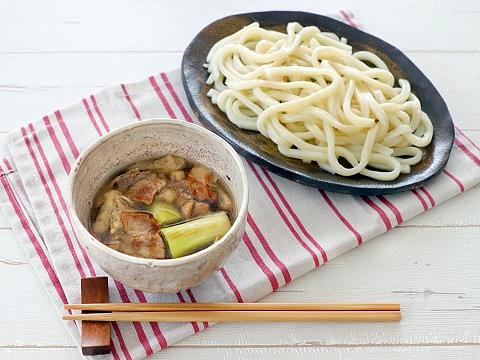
(236, 226)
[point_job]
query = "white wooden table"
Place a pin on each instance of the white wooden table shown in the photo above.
(54, 52)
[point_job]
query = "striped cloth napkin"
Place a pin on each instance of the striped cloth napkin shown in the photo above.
(291, 228)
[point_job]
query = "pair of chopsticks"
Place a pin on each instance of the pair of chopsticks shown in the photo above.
(236, 312)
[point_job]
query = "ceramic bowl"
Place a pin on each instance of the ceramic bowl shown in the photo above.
(147, 139)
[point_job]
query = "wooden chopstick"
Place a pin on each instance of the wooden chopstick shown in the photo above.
(236, 312)
(130, 307)
(243, 316)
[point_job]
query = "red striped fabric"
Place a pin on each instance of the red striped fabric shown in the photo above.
(53, 205)
(261, 264)
(91, 117)
(283, 216)
(342, 218)
(56, 144)
(271, 254)
(138, 326)
(130, 102)
(421, 199)
(60, 197)
(467, 138)
(162, 341)
(379, 210)
(121, 341)
(428, 195)
(33, 239)
(162, 97)
(392, 207)
(99, 113)
(293, 214)
(455, 179)
(66, 134)
(348, 18)
(232, 285)
(176, 98)
(193, 300)
(467, 151)
(196, 329)
(7, 165)
(114, 351)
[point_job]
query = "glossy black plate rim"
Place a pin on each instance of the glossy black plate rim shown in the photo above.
(340, 184)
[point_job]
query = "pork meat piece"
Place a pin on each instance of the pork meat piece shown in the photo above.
(141, 235)
(124, 181)
(139, 222)
(148, 245)
(145, 189)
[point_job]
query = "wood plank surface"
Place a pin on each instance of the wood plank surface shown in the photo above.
(53, 53)
(469, 352)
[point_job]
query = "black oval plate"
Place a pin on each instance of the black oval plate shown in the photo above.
(263, 151)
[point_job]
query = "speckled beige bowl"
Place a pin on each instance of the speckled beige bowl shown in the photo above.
(154, 138)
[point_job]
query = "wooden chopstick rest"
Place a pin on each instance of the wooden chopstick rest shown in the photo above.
(95, 338)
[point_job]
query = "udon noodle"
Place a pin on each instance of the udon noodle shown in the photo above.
(319, 101)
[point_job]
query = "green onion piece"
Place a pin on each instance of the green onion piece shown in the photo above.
(164, 212)
(192, 236)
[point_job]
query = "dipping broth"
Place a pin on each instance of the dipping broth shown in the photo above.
(162, 208)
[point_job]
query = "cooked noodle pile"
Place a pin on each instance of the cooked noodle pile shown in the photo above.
(319, 101)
